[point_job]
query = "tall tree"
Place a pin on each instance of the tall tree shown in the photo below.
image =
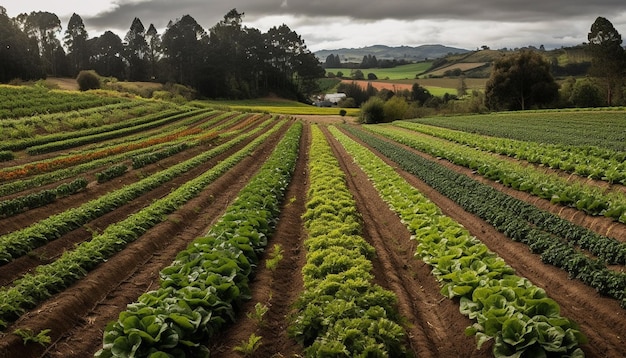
(153, 40)
(106, 55)
(521, 81)
(292, 59)
(184, 47)
(608, 57)
(43, 26)
(136, 51)
(75, 41)
(228, 55)
(19, 55)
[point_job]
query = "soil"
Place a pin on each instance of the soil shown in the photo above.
(434, 325)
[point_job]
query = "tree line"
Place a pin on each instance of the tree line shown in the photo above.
(228, 61)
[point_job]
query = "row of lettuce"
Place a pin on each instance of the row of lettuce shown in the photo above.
(508, 309)
(582, 196)
(341, 312)
(199, 292)
(20, 242)
(558, 241)
(592, 162)
(26, 101)
(46, 280)
(187, 130)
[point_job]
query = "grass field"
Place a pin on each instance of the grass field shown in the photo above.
(403, 72)
(275, 105)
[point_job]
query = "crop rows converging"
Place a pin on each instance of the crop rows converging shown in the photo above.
(557, 240)
(582, 196)
(198, 293)
(32, 288)
(341, 313)
(518, 316)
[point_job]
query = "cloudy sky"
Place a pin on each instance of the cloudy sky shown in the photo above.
(332, 24)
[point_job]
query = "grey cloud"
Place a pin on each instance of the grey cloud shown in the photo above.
(208, 13)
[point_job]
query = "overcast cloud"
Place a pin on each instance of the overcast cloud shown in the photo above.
(331, 24)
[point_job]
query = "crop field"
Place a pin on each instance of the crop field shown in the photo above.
(133, 227)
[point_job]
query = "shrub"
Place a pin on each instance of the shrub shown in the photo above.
(395, 108)
(372, 111)
(88, 80)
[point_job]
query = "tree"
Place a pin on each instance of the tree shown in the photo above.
(420, 94)
(19, 55)
(43, 27)
(136, 51)
(585, 94)
(153, 40)
(521, 81)
(76, 42)
(106, 55)
(184, 49)
(608, 57)
(461, 89)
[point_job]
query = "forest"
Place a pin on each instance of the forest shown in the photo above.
(228, 60)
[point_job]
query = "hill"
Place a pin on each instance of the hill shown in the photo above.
(382, 52)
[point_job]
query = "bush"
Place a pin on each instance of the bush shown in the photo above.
(395, 108)
(88, 80)
(372, 111)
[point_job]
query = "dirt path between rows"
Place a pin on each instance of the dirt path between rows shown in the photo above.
(78, 315)
(600, 318)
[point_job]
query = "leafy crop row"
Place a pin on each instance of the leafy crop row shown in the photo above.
(584, 197)
(519, 316)
(38, 129)
(592, 162)
(14, 206)
(46, 280)
(544, 233)
(116, 131)
(20, 242)
(27, 101)
(199, 292)
(101, 157)
(602, 127)
(341, 313)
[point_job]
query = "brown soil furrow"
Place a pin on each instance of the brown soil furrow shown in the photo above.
(278, 289)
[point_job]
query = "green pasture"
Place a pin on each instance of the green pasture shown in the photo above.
(397, 73)
(274, 105)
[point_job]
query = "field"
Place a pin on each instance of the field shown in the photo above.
(404, 72)
(131, 225)
(436, 86)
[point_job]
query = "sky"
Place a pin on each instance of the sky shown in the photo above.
(334, 24)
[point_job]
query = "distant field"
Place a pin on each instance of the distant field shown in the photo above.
(277, 105)
(436, 86)
(397, 73)
(598, 127)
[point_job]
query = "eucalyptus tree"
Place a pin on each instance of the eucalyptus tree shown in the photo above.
(75, 41)
(154, 53)
(184, 49)
(19, 55)
(106, 55)
(608, 56)
(521, 81)
(136, 51)
(43, 26)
